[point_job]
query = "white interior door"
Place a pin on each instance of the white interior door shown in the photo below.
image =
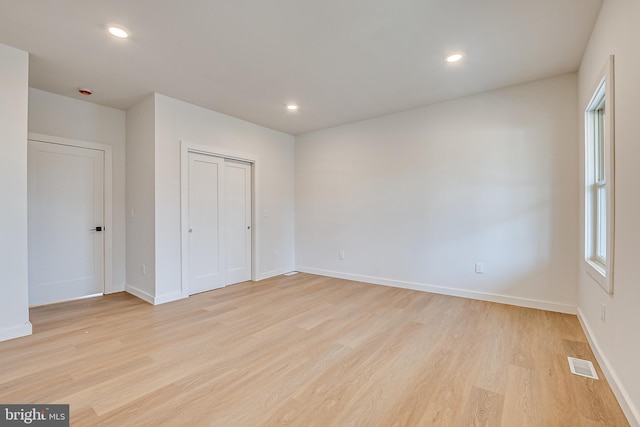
(65, 216)
(205, 222)
(238, 225)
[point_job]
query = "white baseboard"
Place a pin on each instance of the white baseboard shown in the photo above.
(16, 331)
(139, 293)
(115, 289)
(160, 299)
(483, 296)
(273, 273)
(68, 300)
(627, 405)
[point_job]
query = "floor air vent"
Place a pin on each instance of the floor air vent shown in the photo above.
(583, 368)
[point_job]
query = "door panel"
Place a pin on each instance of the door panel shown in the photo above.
(65, 198)
(238, 226)
(206, 239)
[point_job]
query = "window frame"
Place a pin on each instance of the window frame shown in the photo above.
(599, 178)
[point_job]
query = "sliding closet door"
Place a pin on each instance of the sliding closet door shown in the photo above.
(218, 222)
(238, 224)
(207, 264)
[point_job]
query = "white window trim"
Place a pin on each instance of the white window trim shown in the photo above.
(602, 273)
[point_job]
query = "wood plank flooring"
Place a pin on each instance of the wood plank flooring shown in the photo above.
(306, 351)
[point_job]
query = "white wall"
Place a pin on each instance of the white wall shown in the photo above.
(617, 339)
(414, 199)
(65, 117)
(14, 298)
(273, 151)
(141, 198)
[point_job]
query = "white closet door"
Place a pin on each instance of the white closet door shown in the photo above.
(238, 224)
(207, 258)
(65, 214)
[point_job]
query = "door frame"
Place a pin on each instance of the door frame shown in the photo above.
(187, 147)
(108, 196)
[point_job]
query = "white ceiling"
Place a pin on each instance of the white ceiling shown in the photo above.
(341, 60)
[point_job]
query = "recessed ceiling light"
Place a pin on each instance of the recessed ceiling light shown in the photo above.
(118, 32)
(292, 107)
(453, 57)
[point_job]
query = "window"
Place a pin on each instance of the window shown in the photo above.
(599, 181)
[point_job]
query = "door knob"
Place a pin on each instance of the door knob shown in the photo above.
(96, 229)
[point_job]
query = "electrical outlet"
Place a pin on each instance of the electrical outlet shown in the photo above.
(479, 267)
(603, 312)
(341, 255)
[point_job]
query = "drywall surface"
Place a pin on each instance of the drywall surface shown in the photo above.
(14, 299)
(273, 152)
(140, 206)
(61, 116)
(617, 32)
(415, 199)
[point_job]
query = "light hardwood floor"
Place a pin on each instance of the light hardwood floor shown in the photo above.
(306, 351)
